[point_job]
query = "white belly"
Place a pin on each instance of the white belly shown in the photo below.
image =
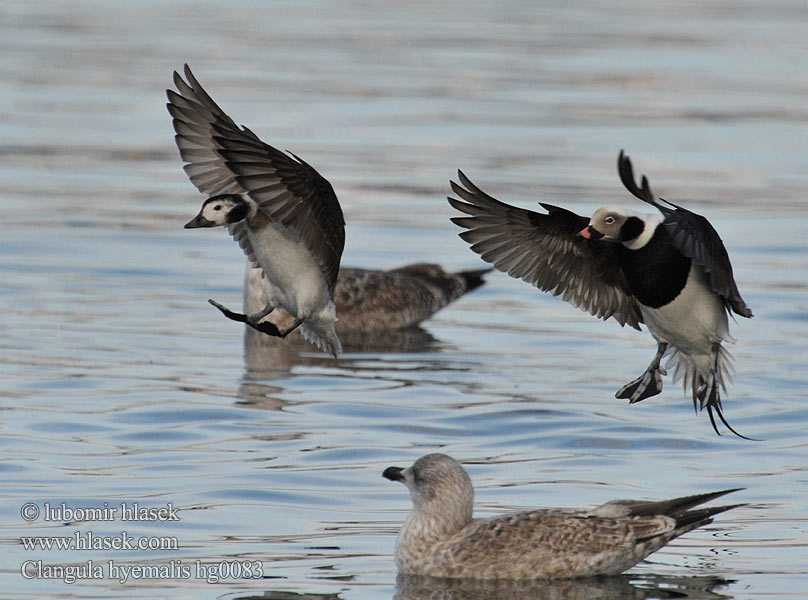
(295, 280)
(693, 322)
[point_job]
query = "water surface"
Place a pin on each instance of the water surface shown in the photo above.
(120, 384)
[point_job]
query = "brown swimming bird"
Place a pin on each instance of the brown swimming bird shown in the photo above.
(441, 539)
(373, 300)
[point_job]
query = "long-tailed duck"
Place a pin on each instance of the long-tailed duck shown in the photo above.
(669, 270)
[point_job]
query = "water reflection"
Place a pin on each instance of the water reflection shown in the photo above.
(268, 358)
(281, 595)
(380, 312)
(125, 387)
(621, 587)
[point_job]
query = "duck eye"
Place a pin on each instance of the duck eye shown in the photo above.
(609, 220)
(217, 207)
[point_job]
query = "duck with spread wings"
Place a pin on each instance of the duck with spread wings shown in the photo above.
(280, 210)
(668, 270)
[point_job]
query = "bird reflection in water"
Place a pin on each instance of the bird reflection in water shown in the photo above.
(617, 587)
(379, 314)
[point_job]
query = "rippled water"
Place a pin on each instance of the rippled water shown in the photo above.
(120, 384)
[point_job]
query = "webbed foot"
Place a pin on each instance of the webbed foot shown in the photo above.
(263, 327)
(646, 385)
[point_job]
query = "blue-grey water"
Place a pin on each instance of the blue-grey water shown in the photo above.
(120, 384)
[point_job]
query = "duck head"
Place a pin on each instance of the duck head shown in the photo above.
(221, 210)
(614, 224)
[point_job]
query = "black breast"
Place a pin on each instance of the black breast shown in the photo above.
(657, 272)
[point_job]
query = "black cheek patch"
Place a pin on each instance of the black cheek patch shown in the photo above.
(632, 228)
(239, 213)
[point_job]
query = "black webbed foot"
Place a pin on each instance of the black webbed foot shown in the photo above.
(646, 385)
(264, 327)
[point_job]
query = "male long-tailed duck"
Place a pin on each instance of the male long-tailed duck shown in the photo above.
(669, 270)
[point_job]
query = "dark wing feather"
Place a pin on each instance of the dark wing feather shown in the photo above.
(222, 158)
(675, 507)
(545, 251)
(693, 236)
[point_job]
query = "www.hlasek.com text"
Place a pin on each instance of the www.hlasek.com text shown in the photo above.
(87, 540)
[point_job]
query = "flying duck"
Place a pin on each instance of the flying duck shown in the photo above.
(669, 270)
(441, 539)
(280, 210)
(372, 300)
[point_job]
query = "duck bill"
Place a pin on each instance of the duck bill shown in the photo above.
(590, 233)
(199, 221)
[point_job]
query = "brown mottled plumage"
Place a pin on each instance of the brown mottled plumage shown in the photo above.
(440, 538)
(371, 300)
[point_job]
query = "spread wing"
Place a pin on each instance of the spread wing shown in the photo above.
(545, 251)
(222, 157)
(693, 236)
